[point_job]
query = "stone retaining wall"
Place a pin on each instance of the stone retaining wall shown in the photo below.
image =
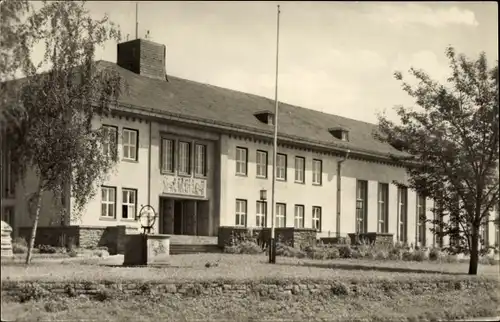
(295, 237)
(263, 289)
(378, 239)
(112, 237)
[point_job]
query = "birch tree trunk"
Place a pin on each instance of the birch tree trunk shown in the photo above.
(31, 244)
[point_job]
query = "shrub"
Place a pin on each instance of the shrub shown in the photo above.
(33, 292)
(488, 260)
(47, 249)
(449, 258)
(381, 254)
(356, 254)
(19, 246)
(322, 252)
(345, 251)
(333, 253)
(103, 294)
(420, 256)
(243, 247)
(434, 254)
(407, 255)
(249, 247)
(54, 306)
(20, 241)
(396, 253)
(231, 249)
(72, 253)
(340, 289)
(288, 251)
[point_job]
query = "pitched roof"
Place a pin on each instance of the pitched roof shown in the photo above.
(215, 104)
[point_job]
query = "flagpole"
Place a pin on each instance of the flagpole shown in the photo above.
(136, 20)
(272, 244)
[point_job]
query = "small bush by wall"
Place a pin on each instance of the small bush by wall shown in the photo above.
(19, 246)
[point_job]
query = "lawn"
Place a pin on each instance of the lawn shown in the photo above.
(231, 267)
(428, 307)
(405, 306)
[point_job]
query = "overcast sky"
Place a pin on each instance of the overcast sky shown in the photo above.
(337, 57)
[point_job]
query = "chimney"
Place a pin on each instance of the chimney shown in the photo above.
(143, 57)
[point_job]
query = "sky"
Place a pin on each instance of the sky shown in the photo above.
(335, 57)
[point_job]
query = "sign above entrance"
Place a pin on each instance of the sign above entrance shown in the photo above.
(186, 186)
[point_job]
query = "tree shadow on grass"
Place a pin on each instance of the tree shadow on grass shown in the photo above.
(359, 267)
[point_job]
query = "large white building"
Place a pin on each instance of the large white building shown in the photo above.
(200, 155)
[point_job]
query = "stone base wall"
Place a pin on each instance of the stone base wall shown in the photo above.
(377, 239)
(265, 289)
(295, 237)
(81, 236)
(335, 240)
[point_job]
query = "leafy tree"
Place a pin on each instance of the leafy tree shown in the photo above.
(53, 133)
(453, 142)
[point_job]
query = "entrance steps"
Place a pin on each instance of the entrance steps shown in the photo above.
(177, 249)
(192, 240)
(186, 244)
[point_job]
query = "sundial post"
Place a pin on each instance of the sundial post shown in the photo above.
(147, 218)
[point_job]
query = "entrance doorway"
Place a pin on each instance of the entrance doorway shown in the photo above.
(184, 217)
(178, 217)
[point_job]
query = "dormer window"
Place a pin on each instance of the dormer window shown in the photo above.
(265, 117)
(339, 133)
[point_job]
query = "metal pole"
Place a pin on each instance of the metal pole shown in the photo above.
(136, 20)
(272, 244)
(2, 132)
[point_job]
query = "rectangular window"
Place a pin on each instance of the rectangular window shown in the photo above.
(299, 216)
(200, 160)
(485, 231)
(317, 168)
(130, 144)
(402, 213)
(316, 218)
(421, 216)
(8, 215)
(261, 164)
(455, 225)
(167, 152)
(261, 215)
(110, 139)
(361, 209)
(184, 157)
(497, 231)
(281, 167)
(241, 161)
(129, 203)
(300, 168)
(8, 175)
(108, 202)
(280, 215)
(438, 216)
(383, 207)
(241, 213)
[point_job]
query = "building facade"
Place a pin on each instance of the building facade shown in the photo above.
(201, 155)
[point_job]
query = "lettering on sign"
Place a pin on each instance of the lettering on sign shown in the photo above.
(185, 186)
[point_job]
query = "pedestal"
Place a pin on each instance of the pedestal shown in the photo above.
(6, 247)
(146, 249)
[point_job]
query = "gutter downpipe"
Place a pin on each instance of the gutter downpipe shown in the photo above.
(339, 188)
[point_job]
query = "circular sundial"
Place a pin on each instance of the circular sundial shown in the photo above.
(147, 217)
